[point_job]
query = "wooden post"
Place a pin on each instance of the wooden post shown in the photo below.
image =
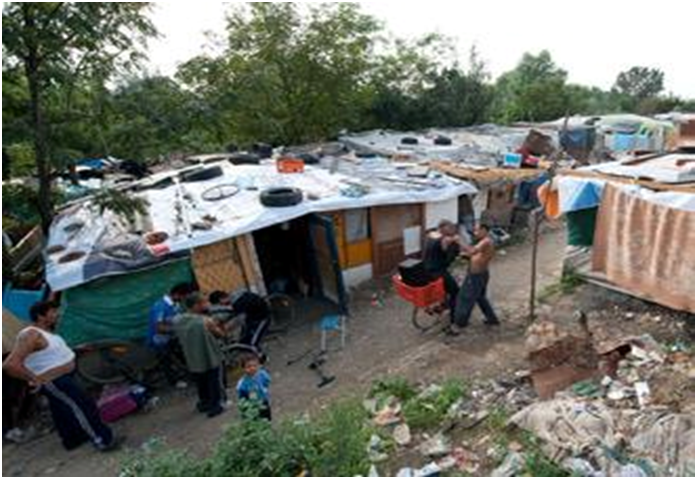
(538, 216)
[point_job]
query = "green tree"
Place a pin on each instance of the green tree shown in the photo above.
(151, 117)
(458, 98)
(640, 82)
(293, 74)
(534, 91)
(57, 43)
(401, 75)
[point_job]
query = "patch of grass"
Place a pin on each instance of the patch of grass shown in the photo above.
(497, 420)
(398, 387)
(568, 283)
(427, 411)
(537, 464)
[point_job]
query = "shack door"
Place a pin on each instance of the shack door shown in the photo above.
(326, 258)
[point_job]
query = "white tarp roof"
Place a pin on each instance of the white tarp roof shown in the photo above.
(577, 193)
(98, 234)
(479, 145)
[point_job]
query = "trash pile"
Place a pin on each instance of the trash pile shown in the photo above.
(617, 420)
(613, 422)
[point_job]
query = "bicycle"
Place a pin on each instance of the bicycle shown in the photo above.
(427, 301)
(281, 310)
(113, 361)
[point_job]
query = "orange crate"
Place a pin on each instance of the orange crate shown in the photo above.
(420, 296)
(290, 165)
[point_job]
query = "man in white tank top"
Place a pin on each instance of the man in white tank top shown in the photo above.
(45, 361)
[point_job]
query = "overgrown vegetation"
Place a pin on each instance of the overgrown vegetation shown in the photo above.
(421, 410)
(428, 410)
(330, 444)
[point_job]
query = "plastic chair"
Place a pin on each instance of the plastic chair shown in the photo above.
(332, 323)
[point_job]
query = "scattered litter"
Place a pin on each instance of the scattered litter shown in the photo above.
(475, 419)
(669, 441)
(437, 446)
(429, 470)
(510, 467)
(375, 449)
(370, 405)
(390, 414)
(581, 467)
(568, 426)
(402, 435)
(643, 393)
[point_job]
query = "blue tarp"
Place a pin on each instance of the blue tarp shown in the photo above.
(18, 301)
(94, 163)
(579, 193)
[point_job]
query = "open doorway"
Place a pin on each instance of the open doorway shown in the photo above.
(300, 258)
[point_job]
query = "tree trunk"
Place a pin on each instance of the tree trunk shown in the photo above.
(33, 73)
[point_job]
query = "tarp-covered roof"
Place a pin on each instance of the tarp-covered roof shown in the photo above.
(103, 244)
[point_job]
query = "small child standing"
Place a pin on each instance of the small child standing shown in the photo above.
(253, 387)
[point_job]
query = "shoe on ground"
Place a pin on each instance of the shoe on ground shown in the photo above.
(115, 444)
(492, 323)
(454, 330)
(216, 411)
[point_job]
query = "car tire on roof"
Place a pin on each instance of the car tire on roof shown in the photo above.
(263, 150)
(202, 174)
(276, 197)
(308, 158)
(244, 159)
(409, 140)
(442, 141)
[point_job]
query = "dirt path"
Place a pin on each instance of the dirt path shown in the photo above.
(381, 341)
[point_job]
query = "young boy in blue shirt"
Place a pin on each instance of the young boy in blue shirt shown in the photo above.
(253, 387)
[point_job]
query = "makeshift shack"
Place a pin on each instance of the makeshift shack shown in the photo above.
(631, 226)
(207, 223)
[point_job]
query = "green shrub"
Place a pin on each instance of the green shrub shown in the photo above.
(334, 444)
(398, 387)
(157, 462)
(426, 411)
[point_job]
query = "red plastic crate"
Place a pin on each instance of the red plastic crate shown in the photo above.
(290, 165)
(420, 296)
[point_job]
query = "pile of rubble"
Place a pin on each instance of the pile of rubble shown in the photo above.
(609, 416)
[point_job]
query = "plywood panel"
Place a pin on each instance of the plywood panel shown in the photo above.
(387, 229)
(325, 263)
(389, 255)
(219, 267)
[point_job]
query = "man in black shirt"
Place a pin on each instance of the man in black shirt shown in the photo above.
(442, 247)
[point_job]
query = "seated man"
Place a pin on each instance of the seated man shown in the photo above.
(256, 316)
(160, 336)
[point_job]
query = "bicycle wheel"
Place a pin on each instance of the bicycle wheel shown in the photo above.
(282, 312)
(423, 320)
(112, 362)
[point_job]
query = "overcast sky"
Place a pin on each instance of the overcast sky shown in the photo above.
(592, 39)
